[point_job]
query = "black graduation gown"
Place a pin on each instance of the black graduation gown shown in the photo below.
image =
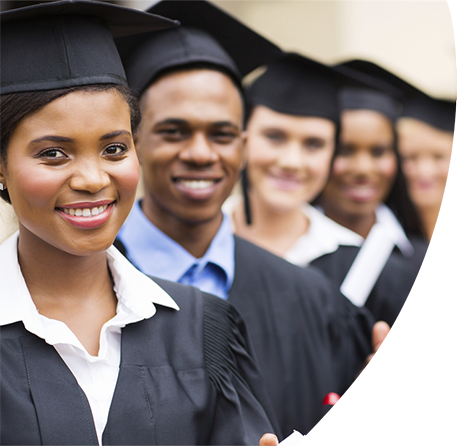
(309, 340)
(390, 291)
(186, 377)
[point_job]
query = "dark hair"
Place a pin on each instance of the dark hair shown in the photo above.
(398, 199)
(16, 106)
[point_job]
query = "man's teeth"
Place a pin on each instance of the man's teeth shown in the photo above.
(197, 184)
(92, 212)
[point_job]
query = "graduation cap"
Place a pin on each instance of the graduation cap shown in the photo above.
(207, 35)
(366, 99)
(67, 43)
(297, 85)
(439, 113)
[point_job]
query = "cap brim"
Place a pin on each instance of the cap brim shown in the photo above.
(122, 21)
(247, 48)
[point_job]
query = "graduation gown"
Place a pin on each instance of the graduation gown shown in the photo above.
(309, 340)
(186, 377)
(394, 283)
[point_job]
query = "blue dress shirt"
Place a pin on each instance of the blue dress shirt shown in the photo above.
(156, 254)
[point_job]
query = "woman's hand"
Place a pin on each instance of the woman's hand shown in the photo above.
(380, 331)
(268, 440)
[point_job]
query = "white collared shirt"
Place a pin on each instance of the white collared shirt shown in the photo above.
(96, 375)
(323, 236)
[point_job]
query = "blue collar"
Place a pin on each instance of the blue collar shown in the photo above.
(156, 254)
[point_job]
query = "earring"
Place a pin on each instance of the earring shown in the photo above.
(2, 187)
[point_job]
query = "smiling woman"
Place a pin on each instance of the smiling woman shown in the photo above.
(93, 351)
(68, 160)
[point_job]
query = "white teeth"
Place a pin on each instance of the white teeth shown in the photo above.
(92, 212)
(197, 184)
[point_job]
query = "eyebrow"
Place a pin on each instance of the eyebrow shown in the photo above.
(55, 138)
(177, 121)
(115, 134)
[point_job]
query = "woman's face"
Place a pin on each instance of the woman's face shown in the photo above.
(364, 167)
(72, 172)
(426, 153)
(288, 157)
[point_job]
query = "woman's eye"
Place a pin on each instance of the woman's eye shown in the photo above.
(115, 149)
(274, 137)
(52, 154)
(314, 143)
(378, 152)
(344, 150)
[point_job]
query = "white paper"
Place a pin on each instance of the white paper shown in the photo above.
(294, 439)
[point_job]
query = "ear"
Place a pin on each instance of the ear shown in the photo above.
(2, 174)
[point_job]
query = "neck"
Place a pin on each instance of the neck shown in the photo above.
(77, 290)
(272, 229)
(360, 224)
(195, 238)
(428, 216)
(49, 270)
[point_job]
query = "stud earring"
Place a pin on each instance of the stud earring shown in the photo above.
(2, 187)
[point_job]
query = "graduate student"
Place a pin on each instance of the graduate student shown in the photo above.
(425, 136)
(93, 351)
(293, 127)
(365, 186)
(309, 340)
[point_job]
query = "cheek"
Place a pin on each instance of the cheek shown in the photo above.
(259, 153)
(35, 186)
(129, 177)
(340, 167)
(388, 168)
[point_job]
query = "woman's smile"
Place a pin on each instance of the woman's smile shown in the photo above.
(72, 171)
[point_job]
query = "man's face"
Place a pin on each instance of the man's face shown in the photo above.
(190, 144)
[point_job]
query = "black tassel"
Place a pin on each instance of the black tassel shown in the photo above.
(247, 205)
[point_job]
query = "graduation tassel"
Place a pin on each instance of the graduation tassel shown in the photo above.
(244, 187)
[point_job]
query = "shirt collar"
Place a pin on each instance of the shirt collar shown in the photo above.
(134, 290)
(386, 218)
(324, 236)
(156, 254)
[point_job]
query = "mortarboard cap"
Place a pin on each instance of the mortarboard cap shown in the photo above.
(67, 43)
(297, 85)
(208, 35)
(439, 113)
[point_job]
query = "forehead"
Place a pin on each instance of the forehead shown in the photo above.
(202, 94)
(266, 117)
(415, 135)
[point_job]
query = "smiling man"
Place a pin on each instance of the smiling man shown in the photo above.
(310, 342)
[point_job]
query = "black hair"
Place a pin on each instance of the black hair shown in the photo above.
(398, 199)
(16, 106)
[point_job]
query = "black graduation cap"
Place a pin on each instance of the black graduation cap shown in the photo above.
(297, 85)
(67, 43)
(207, 35)
(439, 113)
(366, 99)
